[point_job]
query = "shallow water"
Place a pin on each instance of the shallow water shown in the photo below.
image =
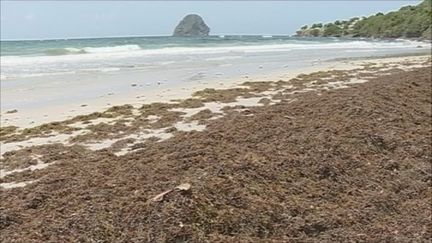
(36, 74)
(20, 59)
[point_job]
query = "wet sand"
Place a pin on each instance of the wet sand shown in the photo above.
(340, 154)
(136, 90)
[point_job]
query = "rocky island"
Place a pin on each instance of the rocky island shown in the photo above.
(191, 25)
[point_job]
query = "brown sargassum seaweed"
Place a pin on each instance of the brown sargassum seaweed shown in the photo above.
(346, 165)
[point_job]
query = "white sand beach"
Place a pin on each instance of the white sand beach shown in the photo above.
(33, 101)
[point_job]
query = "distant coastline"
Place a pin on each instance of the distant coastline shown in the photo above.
(409, 22)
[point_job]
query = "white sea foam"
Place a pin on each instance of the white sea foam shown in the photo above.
(115, 57)
(135, 50)
(111, 49)
(223, 58)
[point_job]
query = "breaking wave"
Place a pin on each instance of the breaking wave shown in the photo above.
(112, 57)
(106, 49)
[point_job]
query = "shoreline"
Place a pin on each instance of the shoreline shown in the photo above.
(122, 125)
(426, 53)
(137, 95)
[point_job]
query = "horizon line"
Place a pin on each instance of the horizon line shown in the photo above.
(130, 36)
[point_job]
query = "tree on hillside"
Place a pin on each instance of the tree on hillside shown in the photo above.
(353, 19)
(332, 30)
(318, 25)
(314, 32)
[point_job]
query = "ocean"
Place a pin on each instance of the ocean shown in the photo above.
(39, 58)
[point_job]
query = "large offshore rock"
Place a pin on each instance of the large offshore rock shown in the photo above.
(192, 25)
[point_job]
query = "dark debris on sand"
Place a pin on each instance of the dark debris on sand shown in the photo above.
(348, 165)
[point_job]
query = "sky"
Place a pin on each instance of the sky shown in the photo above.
(74, 19)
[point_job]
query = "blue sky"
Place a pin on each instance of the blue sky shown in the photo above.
(67, 19)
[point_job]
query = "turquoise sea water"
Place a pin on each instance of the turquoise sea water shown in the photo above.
(30, 58)
(95, 45)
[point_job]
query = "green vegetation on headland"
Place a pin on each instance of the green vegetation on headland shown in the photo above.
(407, 22)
